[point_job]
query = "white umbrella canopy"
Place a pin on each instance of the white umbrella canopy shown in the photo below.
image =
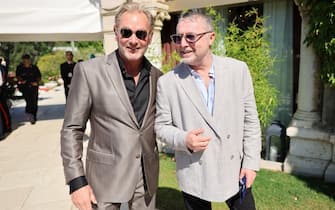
(47, 20)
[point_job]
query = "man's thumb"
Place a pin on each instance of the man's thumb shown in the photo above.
(242, 174)
(92, 197)
(198, 131)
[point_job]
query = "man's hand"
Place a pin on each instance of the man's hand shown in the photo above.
(83, 197)
(196, 142)
(249, 174)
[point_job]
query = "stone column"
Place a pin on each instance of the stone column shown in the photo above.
(310, 147)
(308, 113)
(108, 11)
(159, 11)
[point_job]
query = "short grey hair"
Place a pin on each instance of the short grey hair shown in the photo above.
(134, 7)
(196, 13)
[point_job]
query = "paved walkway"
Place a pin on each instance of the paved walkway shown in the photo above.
(31, 174)
(31, 171)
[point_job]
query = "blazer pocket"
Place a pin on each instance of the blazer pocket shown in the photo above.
(100, 157)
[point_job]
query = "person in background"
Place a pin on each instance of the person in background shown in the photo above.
(4, 69)
(4, 110)
(117, 93)
(206, 111)
(28, 79)
(6, 126)
(66, 70)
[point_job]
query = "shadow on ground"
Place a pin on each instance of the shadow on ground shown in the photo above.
(320, 186)
(51, 112)
(45, 112)
(169, 199)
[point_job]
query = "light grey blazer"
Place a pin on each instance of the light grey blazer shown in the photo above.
(234, 128)
(117, 141)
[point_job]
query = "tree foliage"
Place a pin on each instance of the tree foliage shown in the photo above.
(96, 45)
(321, 35)
(49, 65)
(13, 51)
(43, 55)
(218, 47)
(252, 47)
(170, 61)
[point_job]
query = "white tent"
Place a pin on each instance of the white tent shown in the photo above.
(47, 20)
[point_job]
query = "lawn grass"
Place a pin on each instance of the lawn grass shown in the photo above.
(272, 190)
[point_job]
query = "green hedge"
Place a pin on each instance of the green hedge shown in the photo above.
(252, 47)
(49, 65)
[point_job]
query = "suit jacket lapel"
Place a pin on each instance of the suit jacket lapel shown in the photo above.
(153, 83)
(221, 88)
(186, 81)
(114, 72)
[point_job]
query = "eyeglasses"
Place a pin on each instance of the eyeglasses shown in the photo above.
(140, 34)
(189, 37)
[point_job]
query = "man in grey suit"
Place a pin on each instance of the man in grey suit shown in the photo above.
(206, 111)
(117, 93)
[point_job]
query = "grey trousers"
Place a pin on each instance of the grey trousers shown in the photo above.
(141, 200)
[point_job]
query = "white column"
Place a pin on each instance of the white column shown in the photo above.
(108, 11)
(307, 113)
(160, 13)
(310, 147)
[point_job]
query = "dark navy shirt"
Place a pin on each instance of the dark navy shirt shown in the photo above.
(138, 94)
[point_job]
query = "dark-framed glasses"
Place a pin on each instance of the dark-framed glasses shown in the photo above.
(189, 37)
(140, 34)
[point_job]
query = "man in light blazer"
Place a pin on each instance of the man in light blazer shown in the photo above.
(206, 111)
(117, 93)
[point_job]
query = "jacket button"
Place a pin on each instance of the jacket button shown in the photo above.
(200, 162)
(232, 157)
(138, 156)
(228, 136)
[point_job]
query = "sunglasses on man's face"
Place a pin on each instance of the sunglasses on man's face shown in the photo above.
(189, 37)
(140, 34)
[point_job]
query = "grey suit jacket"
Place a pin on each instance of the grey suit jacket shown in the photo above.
(116, 141)
(234, 128)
